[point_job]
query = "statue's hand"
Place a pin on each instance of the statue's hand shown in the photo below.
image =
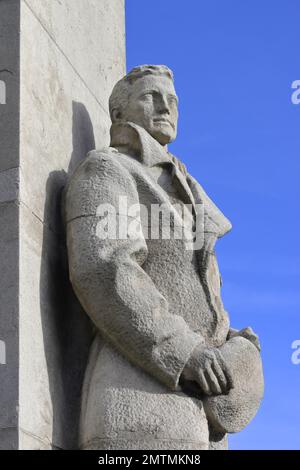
(246, 333)
(206, 366)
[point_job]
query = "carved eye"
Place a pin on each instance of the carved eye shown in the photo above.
(147, 96)
(173, 100)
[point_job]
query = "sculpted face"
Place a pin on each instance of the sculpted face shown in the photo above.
(153, 105)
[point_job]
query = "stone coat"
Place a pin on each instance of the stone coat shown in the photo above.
(152, 300)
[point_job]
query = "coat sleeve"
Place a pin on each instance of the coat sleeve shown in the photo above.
(108, 277)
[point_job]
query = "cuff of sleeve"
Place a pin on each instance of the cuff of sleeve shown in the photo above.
(173, 354)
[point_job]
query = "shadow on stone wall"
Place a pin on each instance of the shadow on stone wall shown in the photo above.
(82, 135)
(67, 331)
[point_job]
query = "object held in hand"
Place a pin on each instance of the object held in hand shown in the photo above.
(231, 413)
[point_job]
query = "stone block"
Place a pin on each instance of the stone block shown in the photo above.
(9, 324)
(10, 76)
(58, 63)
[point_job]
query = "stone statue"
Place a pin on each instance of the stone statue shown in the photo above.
(165, 369)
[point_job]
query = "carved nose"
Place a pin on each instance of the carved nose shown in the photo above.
(163, 106)
(163, 109)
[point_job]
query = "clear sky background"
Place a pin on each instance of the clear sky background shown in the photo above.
(239, 134)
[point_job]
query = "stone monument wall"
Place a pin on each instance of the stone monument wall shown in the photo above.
(58, 63)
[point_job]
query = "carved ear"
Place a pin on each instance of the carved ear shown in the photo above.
(116, 115)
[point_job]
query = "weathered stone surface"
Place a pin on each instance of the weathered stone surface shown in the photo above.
(164, 344)
(59, 61)
(232, 412)
(9, 331)
(9, 73)
(101, 29)
(67, 105)
(123, 407)
(69, 118)
(53, 359)
(9, 185)
(9, 221)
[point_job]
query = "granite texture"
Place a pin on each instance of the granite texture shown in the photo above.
(59, 61)
(165, 369)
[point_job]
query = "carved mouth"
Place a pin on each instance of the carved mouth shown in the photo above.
(163, 121)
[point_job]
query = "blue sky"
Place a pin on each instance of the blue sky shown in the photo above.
(239, 134)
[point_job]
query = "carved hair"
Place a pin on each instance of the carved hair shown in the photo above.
(121, 91)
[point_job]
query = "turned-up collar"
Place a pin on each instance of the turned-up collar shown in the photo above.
(139, 142)
(145, 148)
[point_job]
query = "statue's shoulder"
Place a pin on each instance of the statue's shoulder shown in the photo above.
(96, 176)
(94, 165)
(96, 159)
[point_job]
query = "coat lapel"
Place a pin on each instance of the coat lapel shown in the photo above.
(211, 224)
(130, 136)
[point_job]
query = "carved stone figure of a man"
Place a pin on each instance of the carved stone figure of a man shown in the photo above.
(165, 370)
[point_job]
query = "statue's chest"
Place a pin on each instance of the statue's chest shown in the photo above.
(175, 193)
(164, 179)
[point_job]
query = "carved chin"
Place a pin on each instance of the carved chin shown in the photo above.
(163, 135)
